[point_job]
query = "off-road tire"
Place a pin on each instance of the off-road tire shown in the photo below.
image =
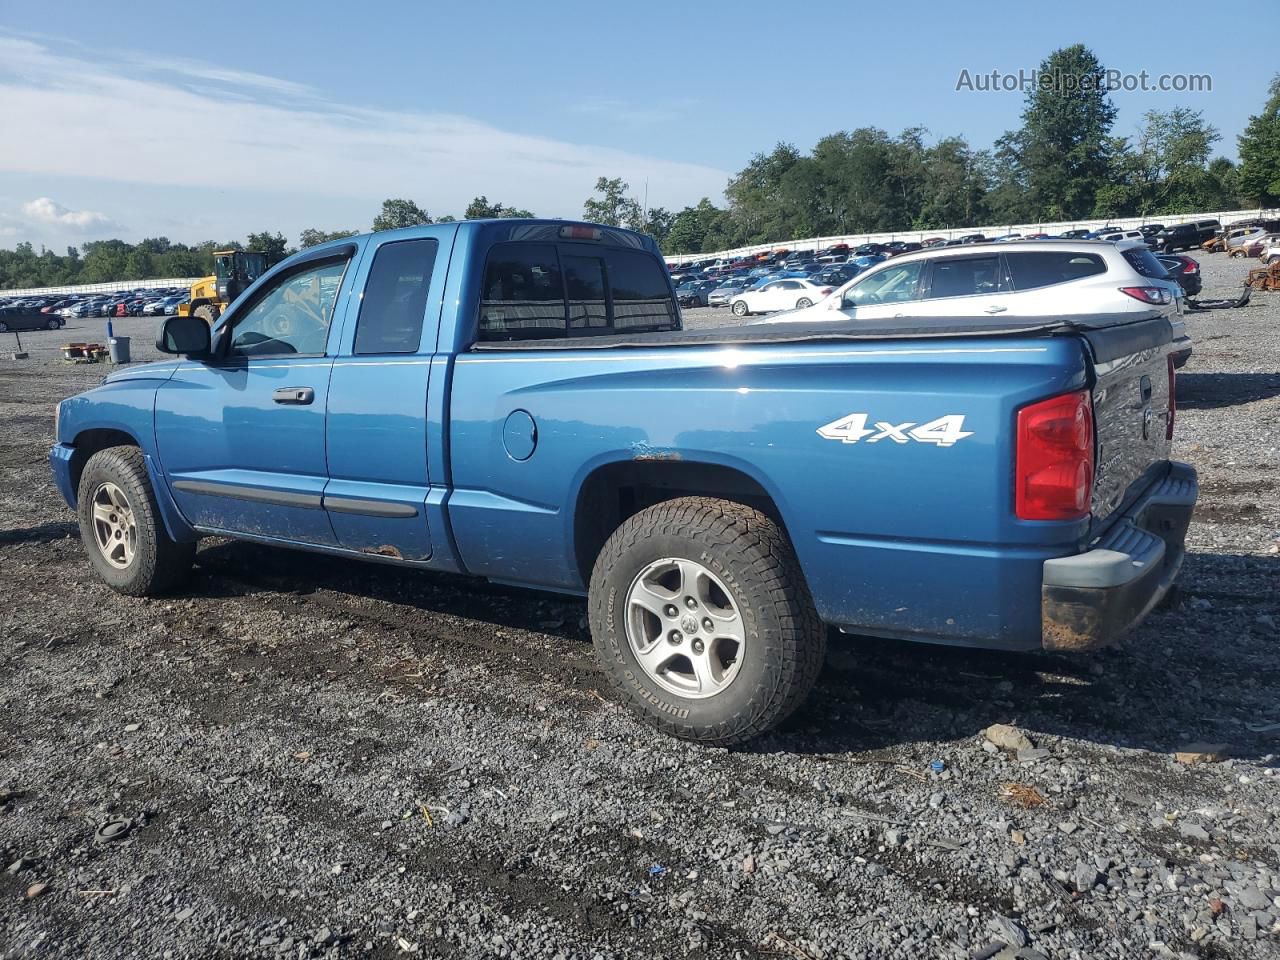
(208, 313)
(158, 562)
(785, 640)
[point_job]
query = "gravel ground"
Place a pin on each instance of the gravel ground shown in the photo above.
(320, 758)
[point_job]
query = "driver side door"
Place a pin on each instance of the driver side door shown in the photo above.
(241, 436)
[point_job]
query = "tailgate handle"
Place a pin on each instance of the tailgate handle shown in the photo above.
(298, 396)
(1146, 388)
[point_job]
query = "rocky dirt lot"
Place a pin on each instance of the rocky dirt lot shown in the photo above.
(319, 758)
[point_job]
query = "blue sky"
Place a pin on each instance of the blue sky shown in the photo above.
(133, 119)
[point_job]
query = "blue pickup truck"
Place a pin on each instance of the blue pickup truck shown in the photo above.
(516, 400)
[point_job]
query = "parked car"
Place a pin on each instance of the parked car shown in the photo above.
(1183, 269)
(28, 318)
(1185, 236)
(1255, 247)
(1035, 278)
(792, 293)
(1078, 234)
(1271, 254)
(942, 486)
(721, 295)
(1237, 241)
(695, 294)
(1115, 235)
(1150, 229)
(870, 250)
(896, 247)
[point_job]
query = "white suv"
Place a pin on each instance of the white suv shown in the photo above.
(1028, 278)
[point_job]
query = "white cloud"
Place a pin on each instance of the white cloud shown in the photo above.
(48, 210)
(67, 114)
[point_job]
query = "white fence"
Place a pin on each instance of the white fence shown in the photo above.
(853, 239)
(121, 285)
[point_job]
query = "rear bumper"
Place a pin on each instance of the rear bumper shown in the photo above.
(1091, 599)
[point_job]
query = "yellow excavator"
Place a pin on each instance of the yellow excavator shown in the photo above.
(233, 272)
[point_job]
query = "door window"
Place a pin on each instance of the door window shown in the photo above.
(964, 277)
(291, 317)
(1042, 268)
(896, 284)
(395, 297)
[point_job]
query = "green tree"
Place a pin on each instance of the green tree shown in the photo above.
(1258, 179)
(312, 237)
(274, 245)
(481, 209)
(1064, 146)
(398, 213)
(613, 207)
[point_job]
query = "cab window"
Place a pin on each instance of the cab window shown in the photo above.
(395, 297)
(292, 316)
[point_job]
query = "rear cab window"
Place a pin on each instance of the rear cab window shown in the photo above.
(548, 290)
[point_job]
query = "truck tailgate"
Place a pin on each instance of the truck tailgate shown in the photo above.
(1131, 408)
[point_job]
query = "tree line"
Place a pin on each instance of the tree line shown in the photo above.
(1064, 162)
(106, 261)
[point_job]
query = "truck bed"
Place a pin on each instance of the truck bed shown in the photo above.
(1109, 335)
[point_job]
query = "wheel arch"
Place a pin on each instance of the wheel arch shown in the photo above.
(91, 440)
(619, 489)
(88, 442)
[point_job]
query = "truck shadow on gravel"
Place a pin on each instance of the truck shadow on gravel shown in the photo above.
(1189, 661)
(1208, 391)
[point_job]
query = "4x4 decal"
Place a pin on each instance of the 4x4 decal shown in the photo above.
(944, 431)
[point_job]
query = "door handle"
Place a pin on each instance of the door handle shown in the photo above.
(994, 309)
(295, 396)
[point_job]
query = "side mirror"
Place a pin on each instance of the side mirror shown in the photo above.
(185, 336)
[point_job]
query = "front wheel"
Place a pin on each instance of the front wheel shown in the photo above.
(121, 528)
(702, 620)
(4, 327)
(740, 308)
(208, 313)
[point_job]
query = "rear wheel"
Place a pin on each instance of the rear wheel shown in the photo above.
(740, 308)
(702, 620)
(208, 313)
(53, 324)
(4, 327)
(803, 302)
(121, 528)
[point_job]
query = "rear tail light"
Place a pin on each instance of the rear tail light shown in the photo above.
(1189, 265)
(1053, 473)
(1173, 399)
(1157, 295)
(827, 291)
